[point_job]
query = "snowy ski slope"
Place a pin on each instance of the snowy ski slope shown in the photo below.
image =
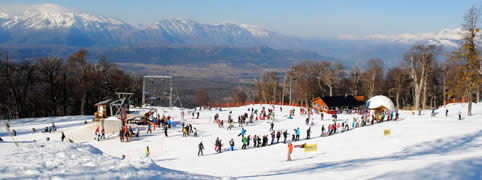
(419, 147)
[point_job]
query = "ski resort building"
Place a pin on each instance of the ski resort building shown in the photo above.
(337, 104)
(380, 104)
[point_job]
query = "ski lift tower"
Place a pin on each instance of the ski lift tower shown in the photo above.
(123, 101)
(157, 89)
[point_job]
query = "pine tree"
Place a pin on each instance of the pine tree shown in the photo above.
(467, 56)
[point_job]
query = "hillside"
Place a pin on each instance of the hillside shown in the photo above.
(428, 147)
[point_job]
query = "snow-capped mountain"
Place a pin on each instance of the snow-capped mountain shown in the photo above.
(187, 31)
(446, 37)
(3, 15)
(50, 23)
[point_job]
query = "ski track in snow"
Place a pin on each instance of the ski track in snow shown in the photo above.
(418, 147)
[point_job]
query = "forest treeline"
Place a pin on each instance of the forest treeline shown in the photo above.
(53, 86)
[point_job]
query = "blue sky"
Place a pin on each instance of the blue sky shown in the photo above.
(306, 18)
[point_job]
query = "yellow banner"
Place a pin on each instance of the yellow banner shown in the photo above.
(311, 147)
(386, 132)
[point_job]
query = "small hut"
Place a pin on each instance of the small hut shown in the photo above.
(103, 108)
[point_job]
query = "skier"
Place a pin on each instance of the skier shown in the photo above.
(165, 131)
(272, 137)
(231, 143)
(290, 150)
(97, 132)
(272, 126)
(197, 115)
(102, 134)
(53, 127)
(248, 139)
(285, 135)
(297, 134)
(184, 131)
(259, 141)
(62, 136)
(244, 143)
(255, 140)
(460, 115)
(243, 132)
(200, 147)
(149, 128)
(121, 135)
(14, 132)
(195, 132)
(147, 151)
(308, 133)
(322, 130)
(218, 145)
(446, 112)
(278, 135)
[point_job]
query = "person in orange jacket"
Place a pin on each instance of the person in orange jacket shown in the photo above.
(290, 150)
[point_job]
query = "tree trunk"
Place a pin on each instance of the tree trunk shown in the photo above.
(397, 99)
(469, 98)
(424, 100)
(478, 94)
(417, 85)
(331, 90)
(83, 101)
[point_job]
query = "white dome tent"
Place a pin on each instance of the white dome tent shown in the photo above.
(380, 103)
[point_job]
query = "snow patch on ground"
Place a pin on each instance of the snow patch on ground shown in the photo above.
(56, 160)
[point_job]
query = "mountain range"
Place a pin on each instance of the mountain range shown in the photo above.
(49, 29)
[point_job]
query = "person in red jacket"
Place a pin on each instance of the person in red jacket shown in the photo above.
(290, 150)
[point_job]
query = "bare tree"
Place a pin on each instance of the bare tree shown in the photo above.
(373, 76)
(419, 59)
(51, 70)
(82, 76)
(355, 78)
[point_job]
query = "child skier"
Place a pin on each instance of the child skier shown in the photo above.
(231, 144)
(200, 147)
(62, 136)
(147, 151)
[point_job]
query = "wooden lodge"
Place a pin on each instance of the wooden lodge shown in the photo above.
(334, 104)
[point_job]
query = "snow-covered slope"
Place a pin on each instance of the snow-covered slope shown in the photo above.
(427, 147)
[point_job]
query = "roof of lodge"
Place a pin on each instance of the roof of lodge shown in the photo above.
(336, 101)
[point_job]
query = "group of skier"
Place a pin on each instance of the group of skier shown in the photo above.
(187, 129)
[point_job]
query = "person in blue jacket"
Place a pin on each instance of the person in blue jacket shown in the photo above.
(297, 134)
(243, 132)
